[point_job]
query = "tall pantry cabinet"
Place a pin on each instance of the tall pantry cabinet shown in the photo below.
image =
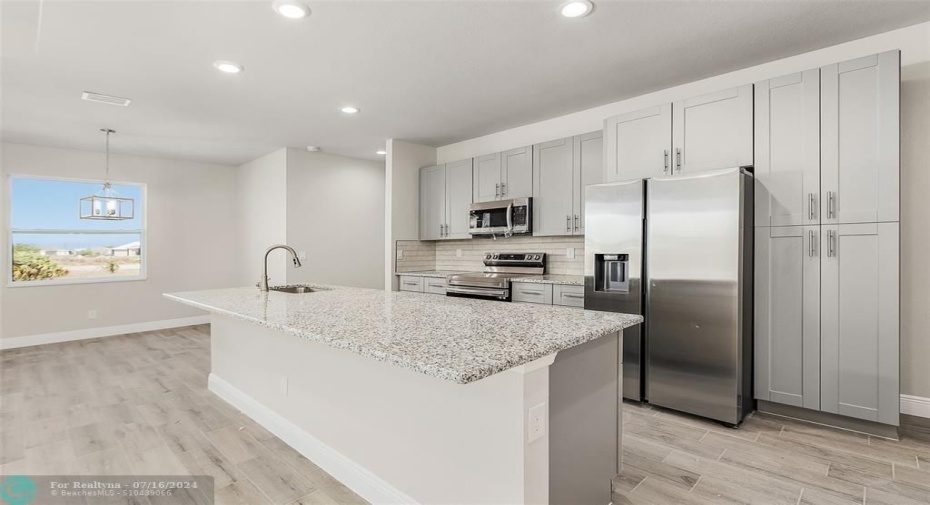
(827, 239)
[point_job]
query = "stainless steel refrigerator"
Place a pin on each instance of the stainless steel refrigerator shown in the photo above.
(678, 250)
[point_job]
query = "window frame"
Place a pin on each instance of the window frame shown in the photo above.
(10, 231)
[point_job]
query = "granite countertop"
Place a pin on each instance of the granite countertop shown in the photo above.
(430, 273)
(457, 339)
(568, 280)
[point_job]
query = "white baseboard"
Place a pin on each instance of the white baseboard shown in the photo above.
(354, 476)
(915, 406)
(107, 331)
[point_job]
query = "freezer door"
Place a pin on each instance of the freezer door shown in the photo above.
(613, 265)
(694, 293)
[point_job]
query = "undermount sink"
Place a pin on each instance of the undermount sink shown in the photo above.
(294, 289)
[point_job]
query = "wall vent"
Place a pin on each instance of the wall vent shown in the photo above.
(107, 99)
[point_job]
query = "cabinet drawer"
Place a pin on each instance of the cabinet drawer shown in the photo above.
(532, 293)
(570, 296)
(409, 283)
(434, 286)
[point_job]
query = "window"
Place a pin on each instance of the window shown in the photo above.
(51, 244)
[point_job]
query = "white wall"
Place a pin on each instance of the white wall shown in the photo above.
(261, 214)
(191, 230)
(334, 214)
(914, 43)
(401, 205)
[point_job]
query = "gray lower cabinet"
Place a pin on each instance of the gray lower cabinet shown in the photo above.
(436, 286)
(531, 292)
(548, 294)
(569, 296)
(561, 170)
(445, 193)
(787, 315)
(860, 321)
(411, 283)
(417, 284)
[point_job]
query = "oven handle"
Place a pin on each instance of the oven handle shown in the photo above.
(510, 217)
(490, 293)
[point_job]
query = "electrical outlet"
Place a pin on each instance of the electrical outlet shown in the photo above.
(282, 384)
(536, 422)
(458, 253)
(92, 314)
(400, 254)
(570, 253)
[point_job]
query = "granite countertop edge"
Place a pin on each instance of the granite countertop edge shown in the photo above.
(446, 373)
(561, 279)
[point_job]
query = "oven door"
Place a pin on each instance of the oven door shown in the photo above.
(504, 217)
(499, 294)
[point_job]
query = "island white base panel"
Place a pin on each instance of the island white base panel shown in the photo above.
(391, 435)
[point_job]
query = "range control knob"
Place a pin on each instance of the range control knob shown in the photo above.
(536, 257)
(487, 257)
(495, 256)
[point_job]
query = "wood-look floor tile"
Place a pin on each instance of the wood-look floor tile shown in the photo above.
(664, 438)
(241, 492)
(182, 435)
(320, 479)
(814, 496)
(878, 482)
(778, 489)
(879, 497)
(644, 447)
(849, 442)
(93, 437)
(629, 478)
(111, 461)
(12, 443)
(669, 473)
(316, 498)
(912, 476)
(209, 460)
(44, 431)
(717, 490)
(273, 477)
(836, 456)
(656, 491)
(237, 445)
(157, 461)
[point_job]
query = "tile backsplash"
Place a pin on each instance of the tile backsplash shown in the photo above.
(443, 255)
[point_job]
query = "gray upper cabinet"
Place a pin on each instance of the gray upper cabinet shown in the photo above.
(432, 202)
(589, 169)
(561, 170)
(458, 198)
(553, 191)
(487, 176)
(517, 173)
(638, 144)
(787, 150)
(787, 315)
(859, 323)
(445, 194)
(860, 139)
(713, 131)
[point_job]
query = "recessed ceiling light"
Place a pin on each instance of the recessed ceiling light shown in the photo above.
(229, 67)
(291, 9)
(576, 8)
(313, 149)
(351, 109)
(382, 152)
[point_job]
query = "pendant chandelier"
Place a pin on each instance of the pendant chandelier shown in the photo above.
(107, 204)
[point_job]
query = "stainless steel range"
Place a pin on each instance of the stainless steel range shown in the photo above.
(499, 270)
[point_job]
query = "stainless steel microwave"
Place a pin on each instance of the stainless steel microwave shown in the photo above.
(501, 217)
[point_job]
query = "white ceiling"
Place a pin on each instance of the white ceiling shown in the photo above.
(433, 72)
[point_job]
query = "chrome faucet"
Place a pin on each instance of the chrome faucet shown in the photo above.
(263, 285)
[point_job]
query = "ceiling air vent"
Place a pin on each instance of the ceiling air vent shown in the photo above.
(107, 99)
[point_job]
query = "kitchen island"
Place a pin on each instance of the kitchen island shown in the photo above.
(406, 397)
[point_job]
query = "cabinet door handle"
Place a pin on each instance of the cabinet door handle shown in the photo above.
(503, 189)
(410, 283)
(571, 295)
(577, 226)
(831, 205)
(568, 222)
(811, 250)
(497, 190)
(810, 206)
(665, 165)
(831, 244)
(678, 159)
